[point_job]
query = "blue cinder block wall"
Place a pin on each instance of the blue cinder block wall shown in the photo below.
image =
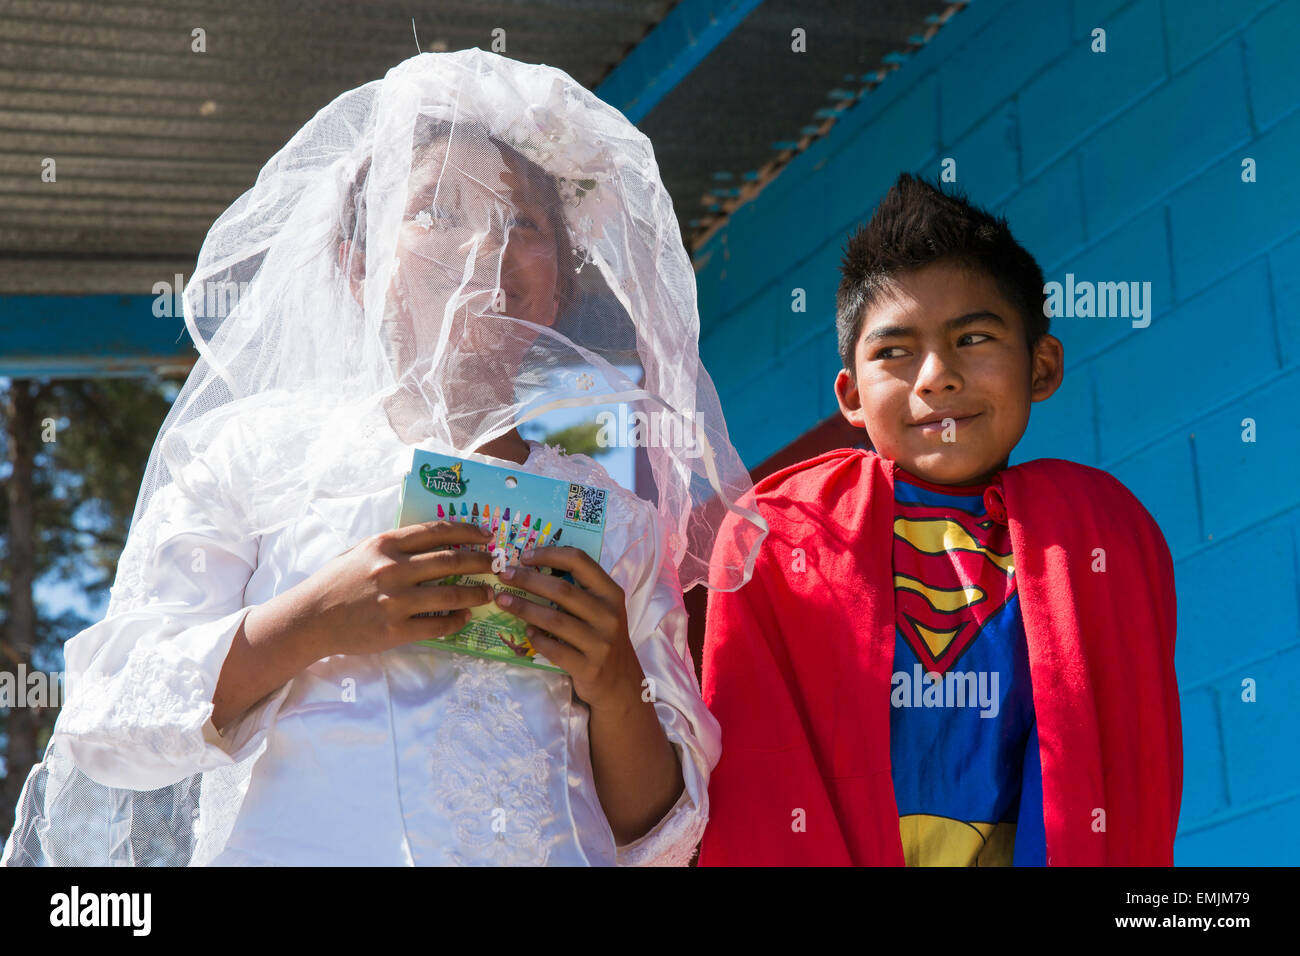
(1116, 166)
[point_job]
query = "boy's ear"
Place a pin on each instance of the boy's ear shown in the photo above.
(846, 392)
(1047, 367)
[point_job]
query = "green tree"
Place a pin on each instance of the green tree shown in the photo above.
(577, 439)
(73, 453)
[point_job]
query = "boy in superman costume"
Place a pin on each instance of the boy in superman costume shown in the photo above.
(940, 659)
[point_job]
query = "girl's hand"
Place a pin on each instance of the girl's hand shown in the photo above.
(586, 633)
(364, 601)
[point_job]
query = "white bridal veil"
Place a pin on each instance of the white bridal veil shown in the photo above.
(449, 252)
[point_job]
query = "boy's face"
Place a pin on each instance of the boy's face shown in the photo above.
(946, 345)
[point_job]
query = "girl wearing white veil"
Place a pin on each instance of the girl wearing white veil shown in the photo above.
(434, 259)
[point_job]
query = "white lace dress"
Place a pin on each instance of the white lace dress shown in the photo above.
(414, 756)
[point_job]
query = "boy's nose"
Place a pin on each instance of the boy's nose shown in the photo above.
(936, 374)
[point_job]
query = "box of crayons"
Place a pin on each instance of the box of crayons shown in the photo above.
(522, 510)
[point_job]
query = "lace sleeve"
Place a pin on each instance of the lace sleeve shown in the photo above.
(658, 624)
(137, 713)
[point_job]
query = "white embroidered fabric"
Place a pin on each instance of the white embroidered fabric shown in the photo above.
(485, 759)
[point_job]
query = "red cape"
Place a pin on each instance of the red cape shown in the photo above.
(797, 667)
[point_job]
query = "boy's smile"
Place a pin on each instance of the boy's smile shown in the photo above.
(943, 376)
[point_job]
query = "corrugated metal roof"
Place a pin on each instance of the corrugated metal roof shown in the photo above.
(152, 141)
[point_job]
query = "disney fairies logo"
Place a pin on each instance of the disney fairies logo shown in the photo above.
(445, 482)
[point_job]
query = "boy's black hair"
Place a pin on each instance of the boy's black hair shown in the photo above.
(916, 224)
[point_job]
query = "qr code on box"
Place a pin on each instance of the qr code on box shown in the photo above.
(586, 504)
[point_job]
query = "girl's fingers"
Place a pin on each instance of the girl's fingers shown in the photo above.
(415, 538)
(581, 604)
(564, 626)
(562, 655)
(432, 565)
(447, 597)
(584, 570)
(424, 628)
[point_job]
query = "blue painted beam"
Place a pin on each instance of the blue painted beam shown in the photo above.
(78, 336)
(671, 50)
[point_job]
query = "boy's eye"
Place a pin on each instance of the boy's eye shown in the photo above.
(897, 351)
